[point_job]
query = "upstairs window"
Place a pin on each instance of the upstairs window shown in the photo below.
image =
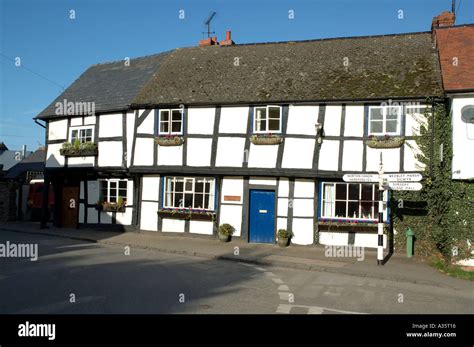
(171, 122)
(385, 120)
(358, 201)
(189, 192)
(267, 119)
(112, 189)
(83, 134)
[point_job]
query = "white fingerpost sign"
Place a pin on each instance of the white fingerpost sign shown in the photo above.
(403, 177)
(405, 185)
(360, 178)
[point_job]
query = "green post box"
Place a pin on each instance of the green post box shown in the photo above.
(410, 237)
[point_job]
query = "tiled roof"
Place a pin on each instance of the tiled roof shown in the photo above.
(111, 86)
(456, 54)
(404, 65)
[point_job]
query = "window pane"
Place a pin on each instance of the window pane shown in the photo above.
(73, 135)
(273, 125)
(164, 116)
(327, 209)
(176, 115)
(176, 127)
(353, 191)
(391, 126)
(341, 190)
(208, 201)
(366, 209)
(164, 127)
(353, 209)
(89, 133)
(123, 184)
(328, 192)
(376, 127)
(392, 112)
(367, 192)
(189, 185)
(341, 209)
(376, 113)
(188, 200)
(274, 112)
(199, 186)
(260, 119)
(198, 200)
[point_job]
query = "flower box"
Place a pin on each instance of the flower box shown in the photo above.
(111, 207)
(385, 141)
(266, 139)
(187, 214)
(169, 140)
(81, 152)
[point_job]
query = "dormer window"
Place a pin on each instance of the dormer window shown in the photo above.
(385, 120)
(83, 134)
(267, 119)
(170, 122)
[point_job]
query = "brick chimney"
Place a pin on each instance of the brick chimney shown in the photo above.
(228, 41)
(210, 41)
(445, 19)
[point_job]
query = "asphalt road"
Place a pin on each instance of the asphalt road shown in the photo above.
(71, 276)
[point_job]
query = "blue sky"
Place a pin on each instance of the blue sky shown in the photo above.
(59, 49)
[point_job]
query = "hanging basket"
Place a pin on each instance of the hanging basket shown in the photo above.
(385, 142)
(72, 152)
(266, 139)
(169, 141)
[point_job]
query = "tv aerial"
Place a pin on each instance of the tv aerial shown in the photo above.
(208, 23)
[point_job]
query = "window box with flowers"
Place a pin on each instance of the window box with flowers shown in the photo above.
(385, 141)
(78, 149)
(106, 206)
(187, 213)
(266, 139)
(169, 140)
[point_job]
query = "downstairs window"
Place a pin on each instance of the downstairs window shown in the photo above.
(189, 192)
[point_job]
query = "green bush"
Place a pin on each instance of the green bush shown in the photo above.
(226, 229)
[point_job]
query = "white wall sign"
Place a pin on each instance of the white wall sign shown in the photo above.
(360, 178)
(405, 185)
(403, 177)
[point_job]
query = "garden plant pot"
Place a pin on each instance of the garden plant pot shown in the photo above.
(224, 238)
(283, 242)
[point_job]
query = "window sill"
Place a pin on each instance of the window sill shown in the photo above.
(173, 140)
(111, 208)
(266, 139)
(184, 214)
(348, 225)
(385, 142)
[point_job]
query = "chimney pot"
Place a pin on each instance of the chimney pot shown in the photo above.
(227, 35)
(228, 40)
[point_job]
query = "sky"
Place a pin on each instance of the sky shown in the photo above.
(54, 48)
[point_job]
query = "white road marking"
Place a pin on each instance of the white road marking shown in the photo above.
(283, 288)
(284, 296)
(277, 280)
(268, 273)
(286, 308)
(259, 268)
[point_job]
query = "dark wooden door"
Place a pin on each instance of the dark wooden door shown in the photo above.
(70, 208)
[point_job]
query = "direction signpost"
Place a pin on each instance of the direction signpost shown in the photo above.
(396, 181)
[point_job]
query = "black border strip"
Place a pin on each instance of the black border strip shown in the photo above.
(341, 142)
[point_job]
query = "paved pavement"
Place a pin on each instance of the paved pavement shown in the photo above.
(398, 268)
(104, 278)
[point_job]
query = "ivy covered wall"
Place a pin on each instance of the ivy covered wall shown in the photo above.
(442, 213)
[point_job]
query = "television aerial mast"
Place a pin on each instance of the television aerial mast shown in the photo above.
(208, 23)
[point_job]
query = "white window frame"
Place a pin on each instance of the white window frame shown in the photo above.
(267, 120)
(108, 181)
(212, 192)
(384, 120)
(333, 200)
(170, 121)
(79, 128)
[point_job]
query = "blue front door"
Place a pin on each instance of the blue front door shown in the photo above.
(262, 216)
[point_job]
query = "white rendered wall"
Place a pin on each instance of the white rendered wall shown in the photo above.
(201, 120)
(232, 214)
(332, 120)
(390, 159)
(199, 152)
(110, 153)
(352, 156)
(267, 181)
(233, 120)
(230, 151)
(75, 121)
(463, 140)
(143, 151)
(411, 163)
(53, 157)
(80, 161)
(231, 211)
(148, 124)
(173, 225)
(298, 153)
(302, 120)
(110, 125)
(149, 203)
(354, 121)
(341, 239)
(58, 130)
(329, 155)
(303, 231)
(130, 130)
(170, 155)
(263, 156)
(201, 227)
